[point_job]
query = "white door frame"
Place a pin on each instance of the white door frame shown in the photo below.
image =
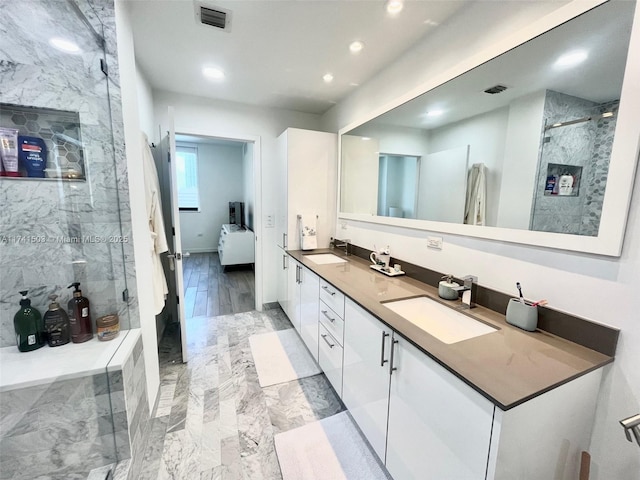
(257, 195)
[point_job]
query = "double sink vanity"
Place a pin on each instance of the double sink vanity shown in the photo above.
(439, 390)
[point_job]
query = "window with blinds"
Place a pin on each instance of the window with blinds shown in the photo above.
(187, 170)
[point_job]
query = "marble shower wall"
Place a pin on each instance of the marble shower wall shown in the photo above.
(53, 232)
(60, 430)
(587, 145)
(69, 427)
(130, 442)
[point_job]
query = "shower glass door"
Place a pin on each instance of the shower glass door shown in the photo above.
(64, 218)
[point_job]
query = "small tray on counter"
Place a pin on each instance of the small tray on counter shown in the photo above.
(390, 272)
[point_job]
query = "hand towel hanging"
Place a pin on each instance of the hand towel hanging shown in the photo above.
(308, 232)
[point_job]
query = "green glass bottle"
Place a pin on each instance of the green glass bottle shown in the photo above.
(28, 325)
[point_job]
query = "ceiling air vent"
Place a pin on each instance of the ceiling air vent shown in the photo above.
(213, 16)
(496, 89)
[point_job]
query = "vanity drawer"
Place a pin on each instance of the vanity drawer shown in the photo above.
(330, 359)
(332, 322)
(333, 297)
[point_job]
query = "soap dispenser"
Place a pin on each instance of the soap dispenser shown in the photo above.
(79, 316)
(28, 326)
(56, 324)
(447, 288)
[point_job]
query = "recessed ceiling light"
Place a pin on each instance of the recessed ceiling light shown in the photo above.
(571, 59)
(394, 6)
(434, 113)
(607, 114)
(213, 73)
(64, 45)
(431, 23)
(366, 138)
(327, 77)
(354, 84)
(356, 47)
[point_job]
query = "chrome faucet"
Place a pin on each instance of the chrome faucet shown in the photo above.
(469, 290)
(344, 244)
(632, 425)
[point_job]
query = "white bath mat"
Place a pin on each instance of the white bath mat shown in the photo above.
(281, 357)
(330, 449)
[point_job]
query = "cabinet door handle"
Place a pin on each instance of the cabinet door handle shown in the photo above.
(284, 241)
(297, 273)
(382, 360)
(391, 367)
(324, 337)
(326, 289)
(284, 262)
(324, 312)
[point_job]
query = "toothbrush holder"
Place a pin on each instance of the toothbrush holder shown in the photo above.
(521, 315)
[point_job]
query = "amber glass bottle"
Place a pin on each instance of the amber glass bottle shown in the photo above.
(79, 316)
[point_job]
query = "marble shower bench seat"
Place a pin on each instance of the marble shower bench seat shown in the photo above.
(60, 408)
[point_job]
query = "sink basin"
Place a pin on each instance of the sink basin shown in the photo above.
(324, 258)
(444, 323)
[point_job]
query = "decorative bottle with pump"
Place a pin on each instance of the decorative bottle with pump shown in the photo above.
(28, 325)
(56, 324)
(79, 316)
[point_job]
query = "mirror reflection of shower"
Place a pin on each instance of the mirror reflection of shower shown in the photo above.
(573, 164)
(397, 185)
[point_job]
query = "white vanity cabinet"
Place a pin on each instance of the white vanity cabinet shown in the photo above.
(330, 358)
(307, 168)
(291, 303)
(424, 422)
(438, 426)
(302, 303)
(365, 381)
(306, 172)
(309, 302)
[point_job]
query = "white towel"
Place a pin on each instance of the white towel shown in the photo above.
(476, 201)
(308, 233)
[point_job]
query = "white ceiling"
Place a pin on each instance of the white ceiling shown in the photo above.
(277, 51)
(602, 32)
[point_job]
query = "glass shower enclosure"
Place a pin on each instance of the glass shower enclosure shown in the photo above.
(63, 220)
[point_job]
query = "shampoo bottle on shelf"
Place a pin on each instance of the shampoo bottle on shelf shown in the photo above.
(79, 316)
(56, 324)
(28, 326)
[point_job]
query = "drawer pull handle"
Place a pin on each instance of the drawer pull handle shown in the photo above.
(332, 320)
(324, 337)
(326, 289)
(391, 367)
(382, 360)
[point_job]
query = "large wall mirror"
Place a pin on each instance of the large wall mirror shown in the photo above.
(537, 145)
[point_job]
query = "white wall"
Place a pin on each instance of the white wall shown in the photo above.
(602, 289)
(485, 135)
(248, 196)
(521, 152)
(139, 222)
(220, 181)
(213, 118)
(145, 107)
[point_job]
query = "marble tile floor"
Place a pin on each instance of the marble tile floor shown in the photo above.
(212, 420)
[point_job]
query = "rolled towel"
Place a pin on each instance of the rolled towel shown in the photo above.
(308, 233)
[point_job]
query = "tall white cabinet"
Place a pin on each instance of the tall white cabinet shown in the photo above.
(307, 169)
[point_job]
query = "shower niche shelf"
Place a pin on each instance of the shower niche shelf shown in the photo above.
(60, 131)
(563, 180)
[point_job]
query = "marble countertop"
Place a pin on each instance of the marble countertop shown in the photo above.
(508, 366)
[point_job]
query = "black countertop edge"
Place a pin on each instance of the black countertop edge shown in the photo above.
(595, 336)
